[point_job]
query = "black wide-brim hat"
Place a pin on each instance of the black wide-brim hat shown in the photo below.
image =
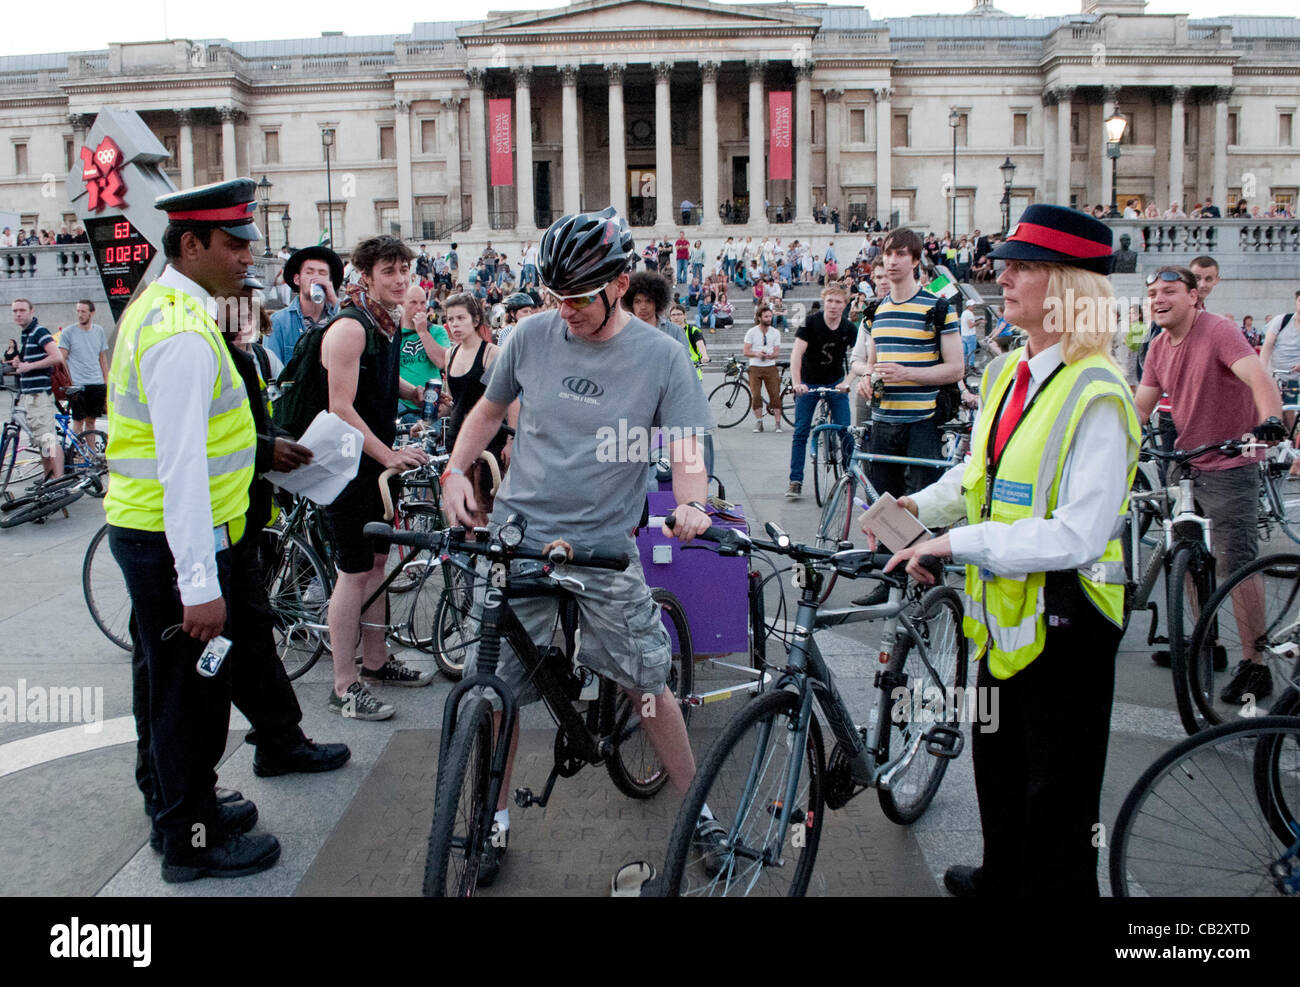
(227, 206)
(1059, 235)
(294, 264)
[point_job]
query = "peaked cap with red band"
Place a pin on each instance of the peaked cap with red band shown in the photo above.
(1057, 235)
(228, 206)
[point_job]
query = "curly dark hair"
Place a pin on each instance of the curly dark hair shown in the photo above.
(376, 250)
(654, 286)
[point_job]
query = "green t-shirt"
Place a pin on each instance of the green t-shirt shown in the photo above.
(417, 368)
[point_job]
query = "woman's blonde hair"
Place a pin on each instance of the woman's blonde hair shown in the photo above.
(1081, 308)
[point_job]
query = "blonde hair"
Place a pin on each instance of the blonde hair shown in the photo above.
(834, 288)
(1085, 310)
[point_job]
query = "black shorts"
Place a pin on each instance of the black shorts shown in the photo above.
(352, 510)
(89, 402)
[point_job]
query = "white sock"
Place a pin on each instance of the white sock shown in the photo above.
(705, 813)
(502, 820)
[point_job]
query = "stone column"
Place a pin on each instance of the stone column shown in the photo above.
(451, 127)
(525, 207)
(757, 168)
(185, 146)
(1220, 190)
(1177, 136)
(1110, 96)
(884, 147)
(405, 200)
(617, 139)
(477, 148)
(229, 167)
(709, 142)
(803, 141)
(569, 125)
(1064, 146)
(834, 193)
(665, 204)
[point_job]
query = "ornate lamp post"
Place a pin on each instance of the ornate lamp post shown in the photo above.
(1115, 127)
(1008, 170)
(954, 121)
(285, 221)
(327, 141)
(264, 196)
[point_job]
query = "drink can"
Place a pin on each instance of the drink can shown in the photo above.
(317, 294)
(432, 391)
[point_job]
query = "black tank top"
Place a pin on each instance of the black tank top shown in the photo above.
(377, 378)
(465, 393)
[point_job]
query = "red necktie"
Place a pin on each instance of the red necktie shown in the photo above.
(1015, 407)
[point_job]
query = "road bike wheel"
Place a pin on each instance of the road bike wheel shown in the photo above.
(634, 767)
(1218, 642)
(419, 599)
(1194, 825)
(18, 466)
(1193, 565)
(92, 458)
(936, 694)
(729, 403)
(827, 450)
(788, 399)
(41, 505)
(298, 586)
(462, 817)
(1282, 496)
(104, 588)
(455, 628)
(744, 780)
(836, 520)
(1277, 759)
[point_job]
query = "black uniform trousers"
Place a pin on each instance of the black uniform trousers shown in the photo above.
(1038, 774)
(259, 687)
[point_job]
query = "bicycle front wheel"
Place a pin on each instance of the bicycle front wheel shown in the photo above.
(1194, 824)
(934, 695)
(41, 506)
(1254, 615)
(298, 587)
(729, 403)
(1191, 583)
(104, 587)
(634, 767)
(1282, 497)
(455, 628)
(826, 465)
(462, 816)
(744, 780)
(836, 520)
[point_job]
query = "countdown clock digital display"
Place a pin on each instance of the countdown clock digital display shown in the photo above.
(122, 254)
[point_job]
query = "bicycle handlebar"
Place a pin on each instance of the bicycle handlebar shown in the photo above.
(482, 543)
(1230, 447)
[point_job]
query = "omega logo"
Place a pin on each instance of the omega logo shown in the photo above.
(583, 387)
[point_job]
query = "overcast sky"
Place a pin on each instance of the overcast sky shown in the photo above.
(88, 24)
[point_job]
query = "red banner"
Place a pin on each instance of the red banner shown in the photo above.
(499, 141)
(781, 129)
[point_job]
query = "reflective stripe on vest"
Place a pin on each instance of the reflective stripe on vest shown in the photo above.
(135, 498)
(1005, 616)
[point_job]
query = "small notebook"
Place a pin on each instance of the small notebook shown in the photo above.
(893, 525)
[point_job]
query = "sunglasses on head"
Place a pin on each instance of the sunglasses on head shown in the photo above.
(579, 301)
(1169, 276)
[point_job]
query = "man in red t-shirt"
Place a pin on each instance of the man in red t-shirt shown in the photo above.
(1220, 390)
(683, 255)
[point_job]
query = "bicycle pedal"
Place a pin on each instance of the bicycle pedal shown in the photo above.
(774, 807)
(524, 797)
(944, 741)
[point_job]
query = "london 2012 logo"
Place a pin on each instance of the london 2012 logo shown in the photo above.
(583, 388)
(100, 172)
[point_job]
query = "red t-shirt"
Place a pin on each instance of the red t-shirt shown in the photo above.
(1211, 404)
(683, 249)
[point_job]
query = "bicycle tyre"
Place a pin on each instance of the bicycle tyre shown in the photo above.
(95, 444)
(461, 815)
(42, 506)
(17, 466)
(104, 587)
(298, 587)
(634, 767)
(1271, 791)
(826, 464)
(1282, 492)
(455, 628)
(422, 591)
(1189, 558)
(836, 520)
(763, 784)
(913, 789)
(1206, 813)
(788, 400)
(729, 402)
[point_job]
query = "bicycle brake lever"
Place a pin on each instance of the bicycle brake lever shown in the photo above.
(568, 582)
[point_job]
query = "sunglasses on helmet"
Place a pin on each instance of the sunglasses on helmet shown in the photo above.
(1168, 275)
(578, 301)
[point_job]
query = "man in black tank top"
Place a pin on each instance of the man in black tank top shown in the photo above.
(360, 356)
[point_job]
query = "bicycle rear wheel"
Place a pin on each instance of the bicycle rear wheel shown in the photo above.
(462, 816)
(634, 767)
(744, 780)
(935, 687)
(1191, 584)
(298, 586)
(1282, 496)
(729, 402)
(104, 588)
(1195, 823)
(788, 404)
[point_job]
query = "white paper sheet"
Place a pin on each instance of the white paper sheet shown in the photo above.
(336, 449)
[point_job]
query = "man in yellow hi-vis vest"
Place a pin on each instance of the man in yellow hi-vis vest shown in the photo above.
(181, 456)
(1045, 492)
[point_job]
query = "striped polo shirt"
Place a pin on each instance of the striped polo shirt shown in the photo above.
(901, 335)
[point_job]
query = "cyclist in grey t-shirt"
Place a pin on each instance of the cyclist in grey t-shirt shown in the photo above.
(86, 344)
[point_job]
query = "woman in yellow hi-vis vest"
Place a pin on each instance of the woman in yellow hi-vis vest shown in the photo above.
(1044, 494)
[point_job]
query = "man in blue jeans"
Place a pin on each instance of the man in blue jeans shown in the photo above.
(817, 360)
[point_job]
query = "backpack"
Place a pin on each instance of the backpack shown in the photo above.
(304, 389)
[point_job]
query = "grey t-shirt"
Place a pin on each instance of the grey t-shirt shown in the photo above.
(586, 411)
(1286, 349)
(84, 347)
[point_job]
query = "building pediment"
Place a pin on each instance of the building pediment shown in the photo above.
(605, 16)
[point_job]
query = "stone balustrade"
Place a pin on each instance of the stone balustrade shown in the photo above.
(1210, 236)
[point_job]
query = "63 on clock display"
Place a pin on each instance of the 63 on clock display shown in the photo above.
(123, 254)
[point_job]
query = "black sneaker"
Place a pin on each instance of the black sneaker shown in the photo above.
(1161, 658)
(493, 857)
(395, 672)
(238, 856)
(234, 818)
(306, 758)
(1249, 678)
(876, 597)
(711, 844)
(962, 881)
(227, 795)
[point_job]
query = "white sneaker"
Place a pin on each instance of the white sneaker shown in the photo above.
(758, 425)
(778, 424)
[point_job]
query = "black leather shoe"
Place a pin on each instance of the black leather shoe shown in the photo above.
(306, 757)
(225, 795)
(963, 882)
(493, 857)
(234, 818)
(876, 597)
(237, 856)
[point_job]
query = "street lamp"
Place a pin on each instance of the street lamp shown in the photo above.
(954, 121)
(1115, 127)
(327, 141)
(264, 196)
(285, 221)
(1008, 170)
